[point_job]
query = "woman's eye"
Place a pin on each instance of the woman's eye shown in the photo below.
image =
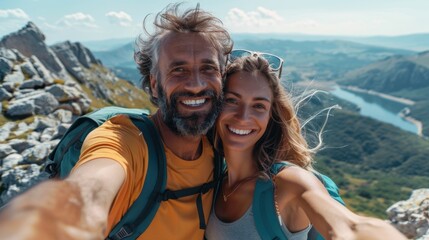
(230, 100)
(260, 106)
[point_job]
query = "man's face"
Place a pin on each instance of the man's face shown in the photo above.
(189, 84)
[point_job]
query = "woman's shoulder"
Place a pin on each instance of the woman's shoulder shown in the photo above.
(296, 179)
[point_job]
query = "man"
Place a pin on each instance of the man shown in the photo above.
(182, 65)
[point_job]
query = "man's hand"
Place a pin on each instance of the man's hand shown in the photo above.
(50, 210)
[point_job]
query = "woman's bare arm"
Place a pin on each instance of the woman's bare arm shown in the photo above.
(74, 208)
(330, 218)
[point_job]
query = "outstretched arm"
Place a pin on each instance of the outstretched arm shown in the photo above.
(75, 208)
(302, 191)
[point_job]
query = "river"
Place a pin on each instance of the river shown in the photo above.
(376, 107)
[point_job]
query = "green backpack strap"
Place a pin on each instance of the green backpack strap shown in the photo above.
(267, 220)
(66, 154)
(264, 211)
(140, 214)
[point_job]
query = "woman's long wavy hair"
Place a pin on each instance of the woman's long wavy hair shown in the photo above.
(282, 140)
(169, 21)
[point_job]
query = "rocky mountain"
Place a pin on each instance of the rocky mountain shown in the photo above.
(42, 90)
(393, 75)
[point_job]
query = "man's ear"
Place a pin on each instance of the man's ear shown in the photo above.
(153, 86)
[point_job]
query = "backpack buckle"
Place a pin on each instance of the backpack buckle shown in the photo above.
(124, 232)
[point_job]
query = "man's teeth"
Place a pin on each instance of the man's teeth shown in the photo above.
(240, 132)
(194, 102)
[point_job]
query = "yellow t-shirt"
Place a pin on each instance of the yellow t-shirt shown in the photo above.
(119, 139)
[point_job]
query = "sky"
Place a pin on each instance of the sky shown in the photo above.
(88, 20)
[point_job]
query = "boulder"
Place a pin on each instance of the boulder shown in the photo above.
(6, 67)
(21, 144)
(32, 84)
(64, 93)
(5, 150)
(42, 71)
(37, 154)
(28, 69)
(11, 161)
(21, 109)
(4, 94)
(65, 53)
(15, 77)
(411, 216)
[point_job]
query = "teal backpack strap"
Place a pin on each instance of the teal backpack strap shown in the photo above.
(140, 214)
(264, 211)
(66, 154)
(266, 218)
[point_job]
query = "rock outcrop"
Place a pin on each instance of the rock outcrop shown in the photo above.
(411, 216)
(42, 91)
(31, 41)
(75, 57)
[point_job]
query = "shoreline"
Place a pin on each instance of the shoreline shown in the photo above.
(328, 86)
(379, 94)
(417, 123)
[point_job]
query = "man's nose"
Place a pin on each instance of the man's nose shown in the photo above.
(196, 82)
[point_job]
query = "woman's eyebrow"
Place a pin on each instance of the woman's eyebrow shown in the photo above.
(255, 98)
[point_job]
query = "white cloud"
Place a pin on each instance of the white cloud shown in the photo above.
(16, 13)
(262, 17)
(77, 20)
(119, 18)
(269, 14)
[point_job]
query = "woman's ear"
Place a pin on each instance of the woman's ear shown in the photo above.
(153, 86)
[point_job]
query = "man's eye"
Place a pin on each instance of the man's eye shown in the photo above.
(209, 68)
(178, 69)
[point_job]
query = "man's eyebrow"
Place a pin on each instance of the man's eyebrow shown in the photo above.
(209, 61)
(255, 98)
(176, 63)
(181, 63)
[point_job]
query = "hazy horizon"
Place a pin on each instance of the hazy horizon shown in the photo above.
(108, 19)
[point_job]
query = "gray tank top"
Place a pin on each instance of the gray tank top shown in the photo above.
(243, 228)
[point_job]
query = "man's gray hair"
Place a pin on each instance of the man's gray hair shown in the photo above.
(171, 20)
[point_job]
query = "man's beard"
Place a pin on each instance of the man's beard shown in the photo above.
(188, 125)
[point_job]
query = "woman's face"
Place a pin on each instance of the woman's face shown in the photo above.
(246, 110)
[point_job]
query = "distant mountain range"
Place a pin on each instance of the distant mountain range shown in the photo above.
(415, 42)
(304, 60)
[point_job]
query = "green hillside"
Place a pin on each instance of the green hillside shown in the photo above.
(401, 76)
(375, 164)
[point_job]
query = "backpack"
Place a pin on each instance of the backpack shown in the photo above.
(265, 213)
(138, 217)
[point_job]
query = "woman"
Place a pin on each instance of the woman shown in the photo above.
(257, 128)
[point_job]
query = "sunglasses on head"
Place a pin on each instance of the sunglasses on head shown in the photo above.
(276, 62)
